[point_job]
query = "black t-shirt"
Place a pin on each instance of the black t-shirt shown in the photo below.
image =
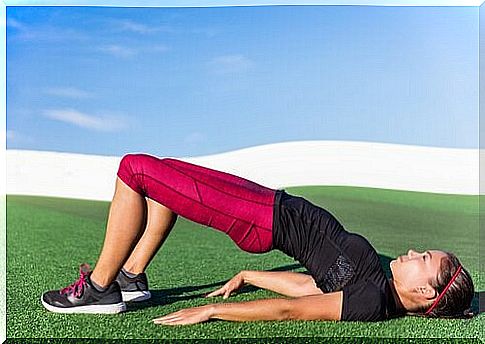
(336, 259)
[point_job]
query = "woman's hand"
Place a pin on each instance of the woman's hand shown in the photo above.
(186, 316)
(314, 307)
(234, 284)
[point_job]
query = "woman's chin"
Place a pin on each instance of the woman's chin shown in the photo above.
(394, 261)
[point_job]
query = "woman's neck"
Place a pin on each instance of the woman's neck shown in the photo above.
(400, 300)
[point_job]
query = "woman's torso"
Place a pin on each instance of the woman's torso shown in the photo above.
(336, 259)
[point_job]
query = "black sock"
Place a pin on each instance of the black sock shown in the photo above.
(98, 287)
(129, 274)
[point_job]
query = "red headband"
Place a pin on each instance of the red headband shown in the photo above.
(440, 296)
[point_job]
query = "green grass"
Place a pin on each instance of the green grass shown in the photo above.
(47, 238)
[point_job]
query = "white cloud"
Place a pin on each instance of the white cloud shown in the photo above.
(83, 120)
(228, 64)
(13, 23)
(208, 32)
(141, 28)
(129, 52)
(10, 135)
(159, 48)
(118, 50)
(68, 92)
(44, 32)
(129, 25)
(14, 137)
(194, 138)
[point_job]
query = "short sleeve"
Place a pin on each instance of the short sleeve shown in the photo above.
(363, 302)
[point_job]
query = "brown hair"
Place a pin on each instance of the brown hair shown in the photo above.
(456, 301)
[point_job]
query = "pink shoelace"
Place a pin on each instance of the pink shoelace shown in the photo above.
(77, 287)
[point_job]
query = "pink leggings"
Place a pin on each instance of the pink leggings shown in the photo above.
(240, 208)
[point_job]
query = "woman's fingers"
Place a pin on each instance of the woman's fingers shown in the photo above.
(164, 321)
(185, 316)
(225, 291)
(217, 292)
(167, 317)
(227, 294)
(234, 284)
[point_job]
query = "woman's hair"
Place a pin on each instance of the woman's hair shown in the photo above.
(457, 287)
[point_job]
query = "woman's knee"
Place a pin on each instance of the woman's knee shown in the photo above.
(131, 167)
(132, 162)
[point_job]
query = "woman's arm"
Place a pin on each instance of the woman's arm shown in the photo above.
(291, 284)
(314, 307)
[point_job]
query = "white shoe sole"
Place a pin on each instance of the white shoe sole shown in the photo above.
(135, 296)
(93, 309)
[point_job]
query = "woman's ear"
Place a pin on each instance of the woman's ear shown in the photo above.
(427, 292)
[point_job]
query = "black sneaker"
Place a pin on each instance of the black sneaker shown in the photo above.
(133, 289)
(83, 297)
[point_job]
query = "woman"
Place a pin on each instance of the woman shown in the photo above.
(345, 280)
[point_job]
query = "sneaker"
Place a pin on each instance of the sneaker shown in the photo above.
(133, 289)
(83, 297)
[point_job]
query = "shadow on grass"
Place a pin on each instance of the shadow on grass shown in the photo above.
(478, 303)
(163, 297)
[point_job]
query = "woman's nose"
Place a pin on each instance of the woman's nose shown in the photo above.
(411, 253)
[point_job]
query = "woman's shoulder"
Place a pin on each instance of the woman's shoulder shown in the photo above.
(365, 301)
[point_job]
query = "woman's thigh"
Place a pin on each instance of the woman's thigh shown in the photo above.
(237, 206)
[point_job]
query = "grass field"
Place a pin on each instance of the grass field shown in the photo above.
(47, 238)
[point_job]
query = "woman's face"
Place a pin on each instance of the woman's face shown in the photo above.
(416, 269)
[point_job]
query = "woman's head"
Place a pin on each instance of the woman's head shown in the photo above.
(433, 283)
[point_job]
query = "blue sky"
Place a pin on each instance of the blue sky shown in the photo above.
(195, 81)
